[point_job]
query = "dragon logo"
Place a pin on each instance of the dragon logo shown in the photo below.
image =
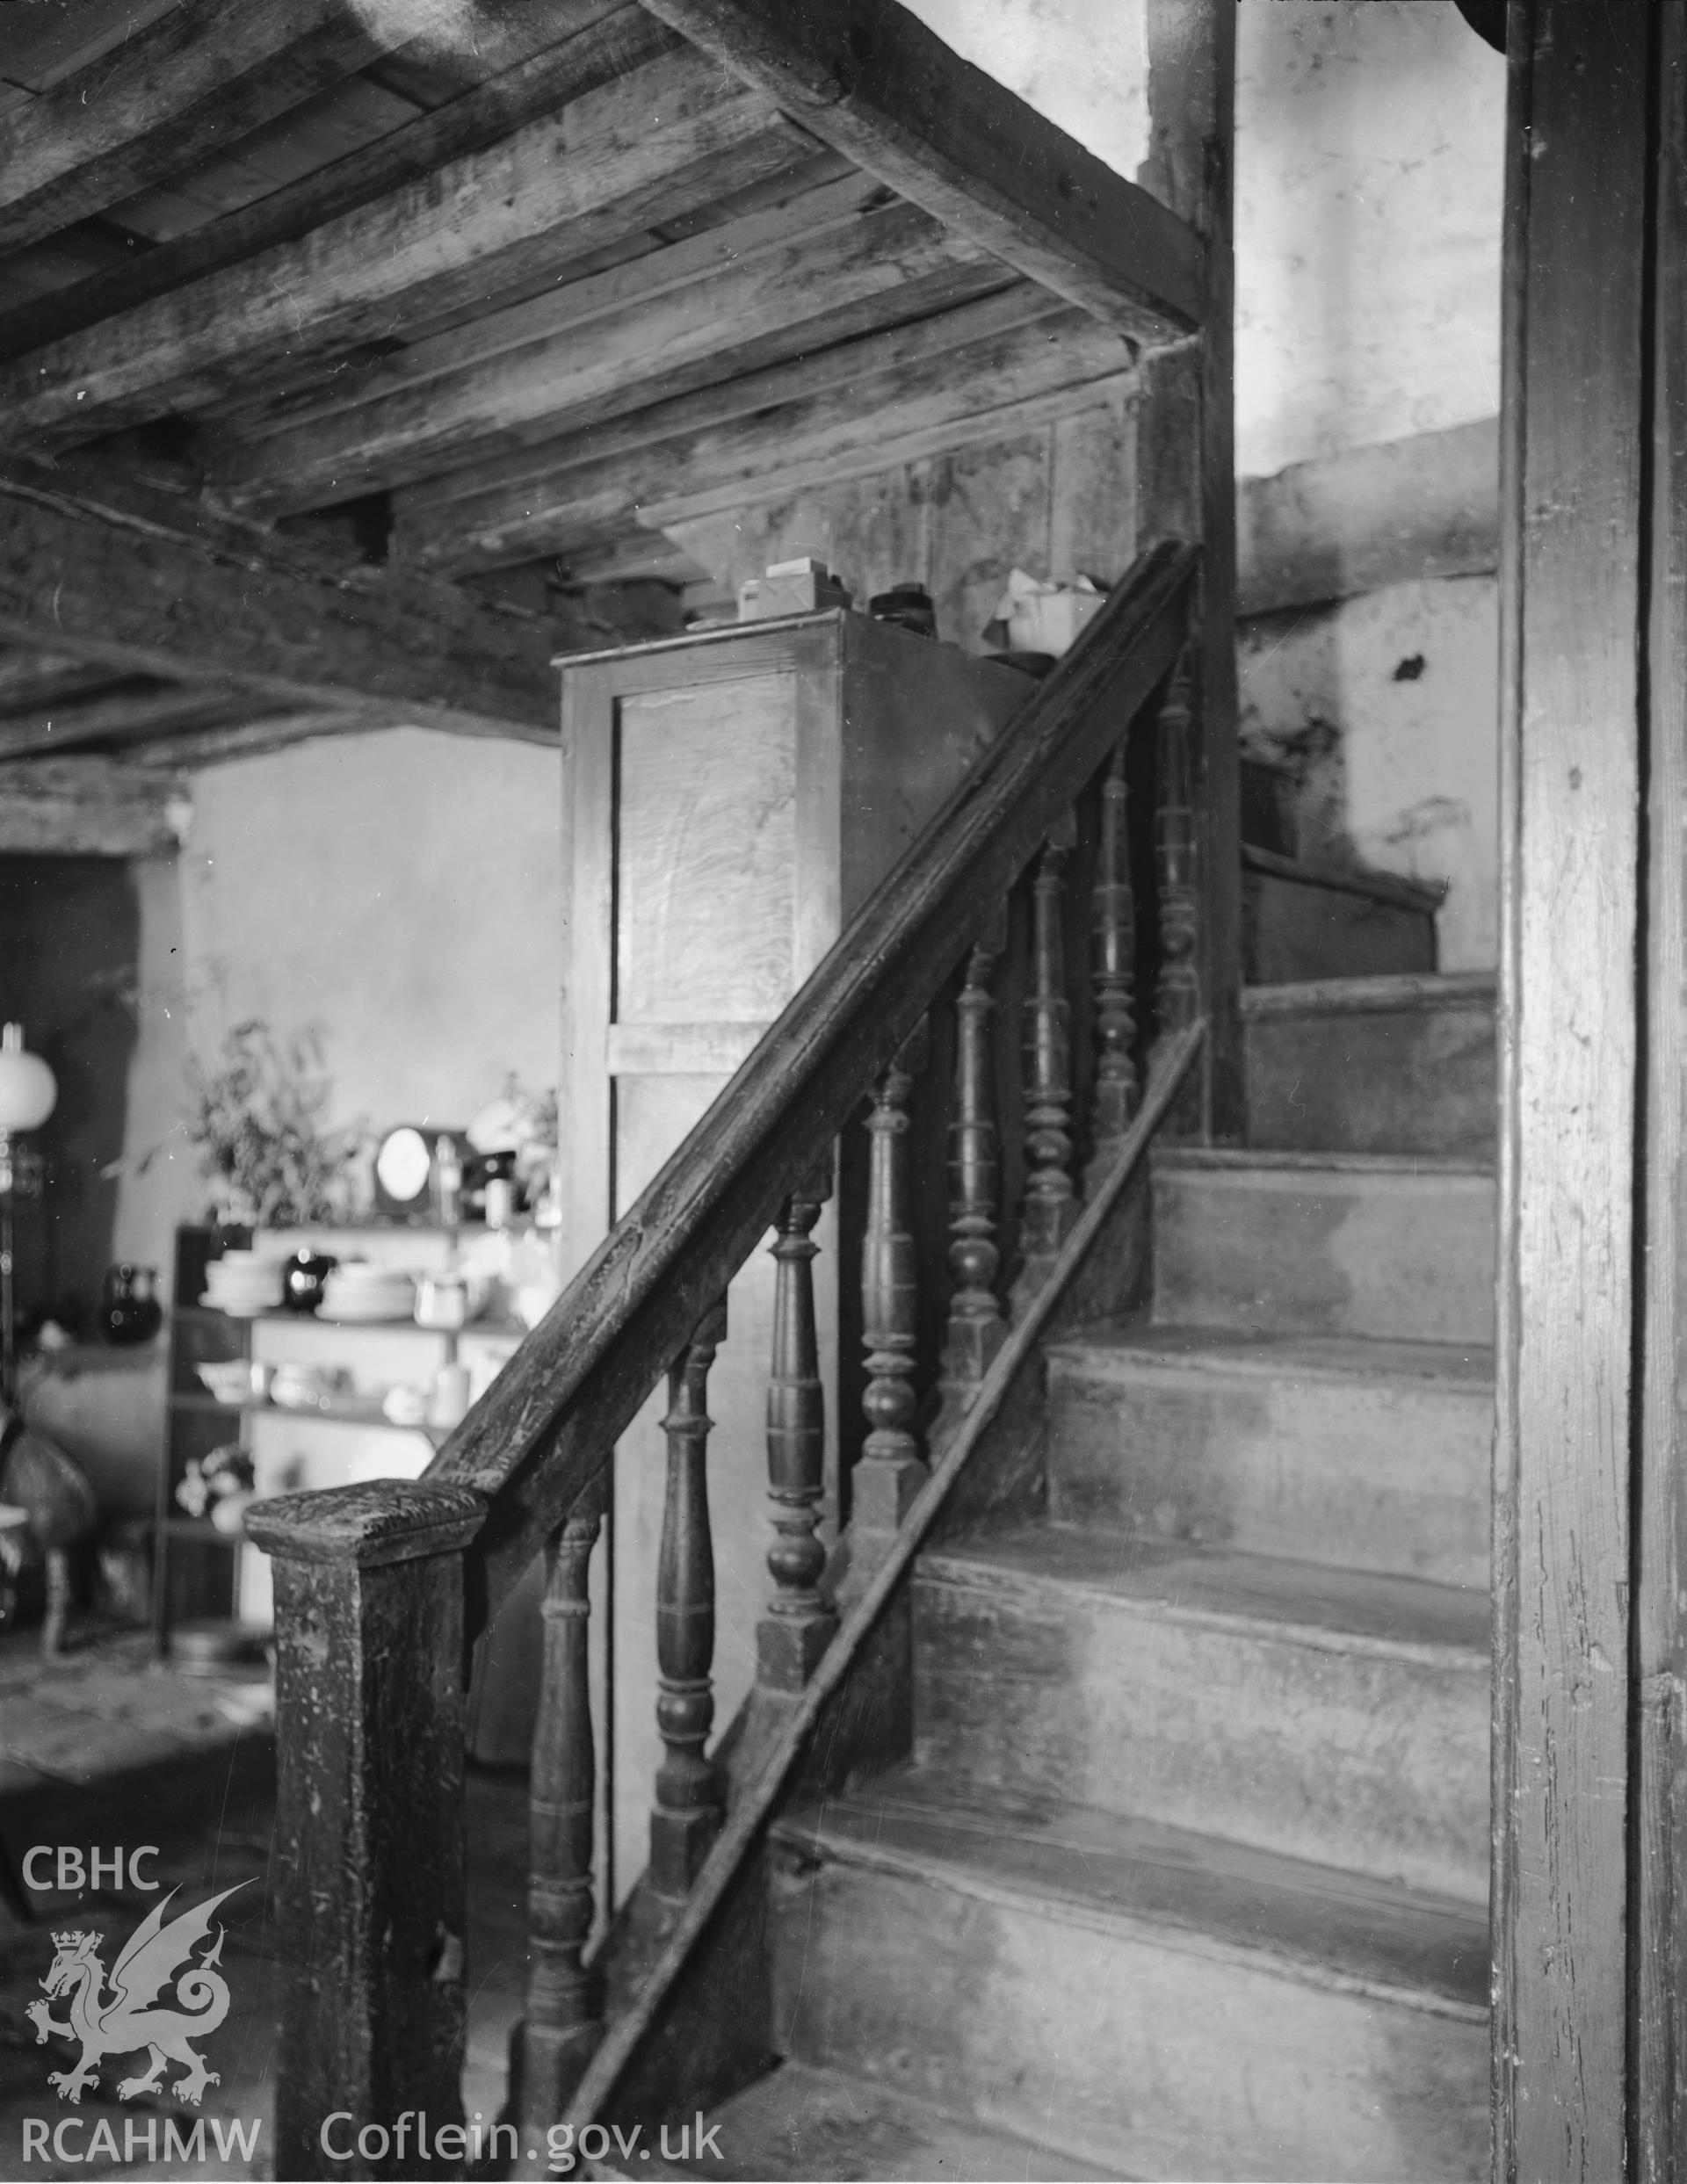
(132, 2016)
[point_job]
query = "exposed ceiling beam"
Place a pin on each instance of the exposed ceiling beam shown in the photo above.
(90, 807)
(877, 264)
(211, 747)
(154, 586)
(121, 718)
(188, 85)
(868, 78)
(643, 150)
(611, 40)
(929, 402)
(32, 678)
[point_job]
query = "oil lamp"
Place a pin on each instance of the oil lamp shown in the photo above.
(28, 1090)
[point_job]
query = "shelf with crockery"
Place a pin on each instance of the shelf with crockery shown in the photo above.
(266, 1399)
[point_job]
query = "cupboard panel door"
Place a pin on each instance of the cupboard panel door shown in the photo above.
(705, 852)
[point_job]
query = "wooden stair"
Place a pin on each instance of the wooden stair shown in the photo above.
(1187, 1874)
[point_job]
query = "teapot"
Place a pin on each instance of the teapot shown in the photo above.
(130, 1311)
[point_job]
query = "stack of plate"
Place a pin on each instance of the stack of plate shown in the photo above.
(359, 1291)
(243, 1285)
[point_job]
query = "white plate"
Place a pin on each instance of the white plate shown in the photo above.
(364, 1315)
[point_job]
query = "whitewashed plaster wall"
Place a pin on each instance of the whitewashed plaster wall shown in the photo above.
(400, 891)
(1369, 141)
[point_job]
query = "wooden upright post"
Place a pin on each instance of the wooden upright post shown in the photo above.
(1187, 489)
(976, 1326)
(798, 1624)
(1658, 1991)
(564, 2021)
(686, 1816)
(1591, 1482)
(1112, 978)
(1050, 1207)
(890, 1471)
(369, 1857)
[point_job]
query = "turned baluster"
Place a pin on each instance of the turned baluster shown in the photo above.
(564, 2022)
(1177, 999)
(799, 1623)
(1112, 961)
(687, 1814)
(976, 1326)
(890, 1472)
(1051, 1205)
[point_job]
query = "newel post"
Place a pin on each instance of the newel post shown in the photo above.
(369, 1868)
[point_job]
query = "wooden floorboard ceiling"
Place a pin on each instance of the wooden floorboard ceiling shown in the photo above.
(336, 356)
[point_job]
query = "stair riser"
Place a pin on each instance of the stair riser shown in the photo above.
(1401, 1081)
(1333, 1252)
(1117, 2045)
(1295, 928)
(1354, 1474)
(1343, 1754)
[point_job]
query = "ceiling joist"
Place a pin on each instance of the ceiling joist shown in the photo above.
(642, 150)
(987, 371)
(615, 41)
(189, 84)
(875, 264)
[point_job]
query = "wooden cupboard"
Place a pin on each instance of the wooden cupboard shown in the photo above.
(729, 798)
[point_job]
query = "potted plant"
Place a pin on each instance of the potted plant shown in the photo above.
(258, 1121)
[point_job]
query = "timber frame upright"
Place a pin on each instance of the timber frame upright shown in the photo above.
(1591, 1481)
(1186, 486)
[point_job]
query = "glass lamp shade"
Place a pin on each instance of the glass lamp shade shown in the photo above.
(28, 1087)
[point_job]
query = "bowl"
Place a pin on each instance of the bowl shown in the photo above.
(229, 1381)
(309, 1387)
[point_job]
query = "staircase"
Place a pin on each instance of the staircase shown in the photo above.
(1187, 1874)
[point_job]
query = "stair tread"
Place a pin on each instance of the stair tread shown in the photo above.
(1338, 1357)
(1356, 1609)
(1319, 1922)
(1394, 888)
(1246, 1160)
(802, 2122)
(1388, 993)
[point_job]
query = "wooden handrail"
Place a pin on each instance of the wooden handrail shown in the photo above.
(546, 1428)
(380, 1589)
(754, 1806)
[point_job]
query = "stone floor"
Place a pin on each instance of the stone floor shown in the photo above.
(103, 1748)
